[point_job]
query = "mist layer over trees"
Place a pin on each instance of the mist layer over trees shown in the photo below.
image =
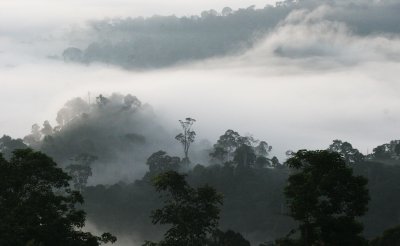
(254, 204)
(103, 136)
(313, 68)
(118, 132)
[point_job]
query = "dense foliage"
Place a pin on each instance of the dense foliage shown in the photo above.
(326, 198)
(159, 41)
(8, 145)
(254, 203)
(192, 213)
(37, 207)
(239, 167)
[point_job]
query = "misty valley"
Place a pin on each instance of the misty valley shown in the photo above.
(114, 149)
(200, 123)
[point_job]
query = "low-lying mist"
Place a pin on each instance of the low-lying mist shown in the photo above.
(317, 75)
(289, 109)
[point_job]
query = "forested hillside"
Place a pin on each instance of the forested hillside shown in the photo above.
(240, 167)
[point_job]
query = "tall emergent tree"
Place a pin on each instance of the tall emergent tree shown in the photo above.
(326, 198)
(192, 212)
(187, 136)
(37, 206)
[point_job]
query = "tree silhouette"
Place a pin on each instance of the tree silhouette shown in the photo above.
(219, 154)
(101, 100)
(325, 198)
(245, 156)
(226, 146)
(80, 170)
(347, 152)
(192, 212)
(8, 145)
(390, 237)
(263, 149)
(160, 162)
(37, 207)
(187, 136)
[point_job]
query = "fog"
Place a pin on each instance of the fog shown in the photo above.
(310, 80)
(296, 75)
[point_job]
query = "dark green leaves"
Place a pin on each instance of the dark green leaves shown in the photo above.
(37, 207)
(325, 197)
(192, 212)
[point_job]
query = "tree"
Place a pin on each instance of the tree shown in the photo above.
(275, 162)
(263, 149)
(131, 102)
(192, 212)
(33, 139)
(231, 146)
(382, 152)
(80, 175)
(160, 162)
(245, 156)
(208, 13)
(226, 11)
(37, 207)
(397, 149)
(187, 137)
(80, 170)
(101, 100)
(219, 154)
(226, 144)
(8, 145)
(346, 151)
(390, 237)
(47, 128)
(387, 151)
(262, 162)
(325, 198)
(71, 110)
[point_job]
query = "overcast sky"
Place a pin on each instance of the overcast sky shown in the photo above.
(307, 82)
